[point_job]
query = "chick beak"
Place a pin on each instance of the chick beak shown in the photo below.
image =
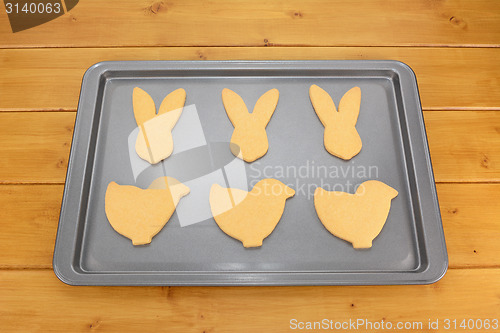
(179, 190)
(289, 192)
(184, 190)
(392, 193)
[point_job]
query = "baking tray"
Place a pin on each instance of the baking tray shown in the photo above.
(191, 249)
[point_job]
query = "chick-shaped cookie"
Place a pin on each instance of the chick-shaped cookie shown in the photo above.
(357, 218)
(249, 140)
(340, 137)
(154, 142)
(140, 214)
(249, 216)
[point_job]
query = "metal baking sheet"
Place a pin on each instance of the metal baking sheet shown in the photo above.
(191, 249)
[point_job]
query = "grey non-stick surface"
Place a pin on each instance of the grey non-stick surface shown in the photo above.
(410, 248)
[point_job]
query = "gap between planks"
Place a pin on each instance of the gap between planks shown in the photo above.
(471, 182)
(45, 268)
(472, 108)
(439, 46)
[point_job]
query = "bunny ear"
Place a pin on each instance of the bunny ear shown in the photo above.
(265, 106)
(349, 105)
(144, 106)
(175, 100)
(235, 107)
(323, 104)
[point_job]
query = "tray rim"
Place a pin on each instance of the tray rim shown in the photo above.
(64, 262)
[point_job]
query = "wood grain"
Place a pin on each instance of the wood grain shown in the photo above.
(471, 216)
(465, 146)
(34, 147)
(453, 46)
(37, 301)
(260, 22)
(28, 224)
(448, 78)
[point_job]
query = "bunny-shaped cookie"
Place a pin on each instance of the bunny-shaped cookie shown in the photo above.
(154, 141)
(249, 139)
(340, 138)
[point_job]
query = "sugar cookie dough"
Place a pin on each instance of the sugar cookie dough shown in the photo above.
(154, 142)
(249, 216)
(340, 137)
(357, 218)
(140, 214)
(249, 139)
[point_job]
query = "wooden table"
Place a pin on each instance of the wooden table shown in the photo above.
(453, 46)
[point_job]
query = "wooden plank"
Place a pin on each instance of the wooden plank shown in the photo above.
(34, 147)
(260, 22)
(465, 146)
(50, 79)
(36, 300)
(471, 221)
(29, 223)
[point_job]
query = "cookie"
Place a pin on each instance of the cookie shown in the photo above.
(249, 140)
(154, 142)
(140, 214)
(357, 218)
(340, 137)
(249, 216)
